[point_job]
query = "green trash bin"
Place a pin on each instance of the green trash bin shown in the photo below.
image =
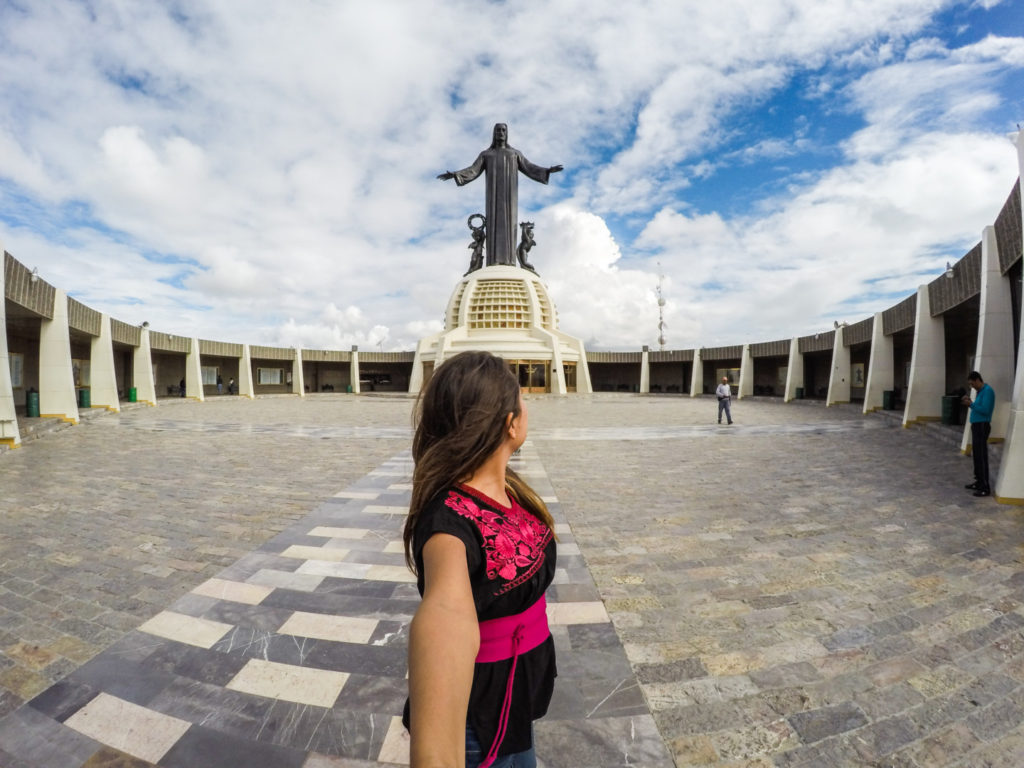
(948, 409)
(799, 393)
(348, 389)
(32, 404)
(888, 396)
(84, 399)
(133, 395)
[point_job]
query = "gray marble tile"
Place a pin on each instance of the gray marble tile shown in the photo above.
(40, 741)
(203, 747)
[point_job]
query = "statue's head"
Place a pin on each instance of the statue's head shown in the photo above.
(500, 138)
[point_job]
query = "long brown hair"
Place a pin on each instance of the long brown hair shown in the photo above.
(459, 422)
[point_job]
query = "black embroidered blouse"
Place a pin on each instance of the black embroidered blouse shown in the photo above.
(511, 557)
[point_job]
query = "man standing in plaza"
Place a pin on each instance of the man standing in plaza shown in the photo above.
(724, 393)
(981, 425)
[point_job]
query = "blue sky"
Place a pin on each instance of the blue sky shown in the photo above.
(268, 175)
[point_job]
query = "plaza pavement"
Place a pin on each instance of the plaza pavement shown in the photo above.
(808, 587)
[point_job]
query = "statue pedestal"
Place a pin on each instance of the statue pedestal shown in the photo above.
(507, 311)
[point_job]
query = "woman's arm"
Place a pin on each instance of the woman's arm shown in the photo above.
(443, 642)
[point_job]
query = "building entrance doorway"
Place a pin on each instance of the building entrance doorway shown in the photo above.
(533, 375)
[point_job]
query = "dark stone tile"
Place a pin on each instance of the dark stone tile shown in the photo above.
(128, 680)
(223, 710)
(7, 760)
(612, 698)
(9, 702)
(573, 593)
(203, 747)
(259, 617)
(785, 675)
(357, 588)
(595, 664)
(886, 736)
(41, 742)
(583, 636)
(567, 701)
(364, 693)
(601, 743)
(344, 732)
(391, 633)
(818, 724)
(996, 720)
(339, 604)
(383, 661)
(196, 663)
(675, 671)
(884, 702)
(62, 699)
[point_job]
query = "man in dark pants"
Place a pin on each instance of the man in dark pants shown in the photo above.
(981, 425)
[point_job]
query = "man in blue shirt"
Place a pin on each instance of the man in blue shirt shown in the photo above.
(981, 425)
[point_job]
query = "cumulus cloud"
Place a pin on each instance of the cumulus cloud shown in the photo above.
(266, 174)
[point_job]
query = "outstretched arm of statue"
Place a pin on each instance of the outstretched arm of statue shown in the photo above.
(554, 169)
(446, 175)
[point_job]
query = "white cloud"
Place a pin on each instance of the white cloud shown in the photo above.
(243, 174)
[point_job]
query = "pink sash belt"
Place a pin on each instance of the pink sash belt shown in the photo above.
(508, 638)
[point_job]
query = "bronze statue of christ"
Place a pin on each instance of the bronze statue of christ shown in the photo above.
(501, 165)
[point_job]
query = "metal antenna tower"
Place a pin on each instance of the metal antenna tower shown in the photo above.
(661, 311)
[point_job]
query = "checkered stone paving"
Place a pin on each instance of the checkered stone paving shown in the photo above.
(295, 655)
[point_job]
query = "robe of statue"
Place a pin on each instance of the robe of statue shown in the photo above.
(501, 166)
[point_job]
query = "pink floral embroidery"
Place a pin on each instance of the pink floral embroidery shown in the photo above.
(513, 543)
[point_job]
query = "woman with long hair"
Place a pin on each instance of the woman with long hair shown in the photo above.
(481, 543)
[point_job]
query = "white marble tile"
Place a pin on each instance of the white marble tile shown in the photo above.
(203, 633)
(303, 552)
(378, 509)
(321, 626)
(299, 582)
(398, 573)
(395, 748)
(549, 499)
(339, 533)
(235, 591)
(120, 724)
(303, 685)
(563, 529)
(568, 548)
(394, 547)
(357, 495)
(338, 570)
(577, 613)
(400, 487)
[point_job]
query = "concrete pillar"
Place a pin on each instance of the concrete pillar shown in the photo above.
(245, 385)
(142, 370)
(927, 365)
(795, 372)
(194, 373)
(298, 379)
(697, 375)
(354, 368)
(1010, 482)
(881, 373)
(839, 377)
(583, 385)
(746, 384)
(645, 370)
(56, 380)
(9, 433)
(103, 377)
(993, 357)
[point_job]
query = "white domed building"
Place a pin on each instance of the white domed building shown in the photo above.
(507, 311)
